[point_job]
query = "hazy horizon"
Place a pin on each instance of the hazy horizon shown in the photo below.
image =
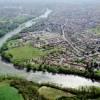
(67, 1)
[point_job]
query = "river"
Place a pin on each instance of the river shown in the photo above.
(23, 26)
(70, 81)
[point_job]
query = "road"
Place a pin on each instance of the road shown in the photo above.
(66, 38)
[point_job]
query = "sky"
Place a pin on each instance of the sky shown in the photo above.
(50, 0)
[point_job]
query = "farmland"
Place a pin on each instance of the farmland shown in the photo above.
(9, 93)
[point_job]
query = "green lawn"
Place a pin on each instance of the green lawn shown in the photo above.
(25, 52)
(9, 93)
(52, 94)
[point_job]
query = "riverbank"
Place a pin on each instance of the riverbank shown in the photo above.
(61, 80)
(53, 69)
(31, 90)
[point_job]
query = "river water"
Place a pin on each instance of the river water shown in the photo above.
(70, 81)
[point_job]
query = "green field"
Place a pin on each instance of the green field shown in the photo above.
(25, 52)
(9, 93)
(52, 94)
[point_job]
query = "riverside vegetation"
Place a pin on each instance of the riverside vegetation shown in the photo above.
(6, 24)
(24, 90)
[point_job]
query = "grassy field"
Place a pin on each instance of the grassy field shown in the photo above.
(25, 52)
(52, 93)
(9, 93)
